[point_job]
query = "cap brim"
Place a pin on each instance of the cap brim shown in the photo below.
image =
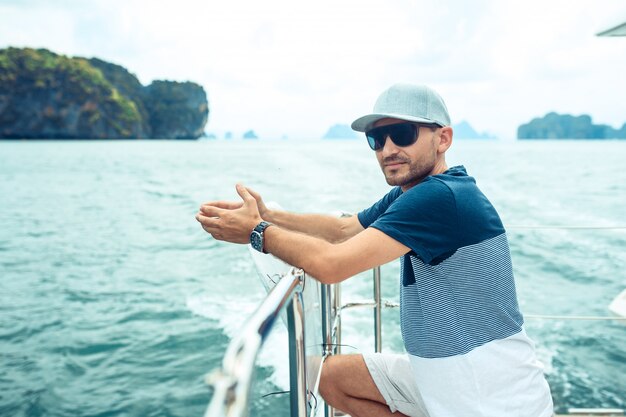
(364, 123)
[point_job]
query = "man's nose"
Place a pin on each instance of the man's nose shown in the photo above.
(389, 148)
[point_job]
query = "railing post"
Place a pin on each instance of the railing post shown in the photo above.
(327, 332)
(297, 358)
(337, 300)
(378, 340)
(327, 317)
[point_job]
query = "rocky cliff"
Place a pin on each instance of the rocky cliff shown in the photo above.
(565, 126)
(44, 95)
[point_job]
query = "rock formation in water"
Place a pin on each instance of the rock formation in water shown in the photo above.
(340, 131)
(463, 130)
(250, 135)
(44, 95)
(565, 126)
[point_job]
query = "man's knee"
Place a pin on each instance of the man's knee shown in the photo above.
(328, 377)
(335, 375)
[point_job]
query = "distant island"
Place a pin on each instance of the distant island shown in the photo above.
(44, 95)
(462, 130)
(340, 131)
(250, 135)
(565, 126)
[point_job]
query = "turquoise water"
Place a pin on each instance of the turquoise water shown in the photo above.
(115, 303)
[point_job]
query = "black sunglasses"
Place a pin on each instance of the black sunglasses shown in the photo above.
(402, 134)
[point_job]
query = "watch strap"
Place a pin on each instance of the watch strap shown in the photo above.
(262, 226)
(259, 231)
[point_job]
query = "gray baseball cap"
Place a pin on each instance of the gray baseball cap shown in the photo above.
(413, 103)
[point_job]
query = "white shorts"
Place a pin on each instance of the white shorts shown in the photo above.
(500, 378)
(394, 379)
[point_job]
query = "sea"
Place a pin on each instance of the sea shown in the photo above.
(114, 301)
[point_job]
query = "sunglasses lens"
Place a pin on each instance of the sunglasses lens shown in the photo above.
(376, 142)
(402, 134)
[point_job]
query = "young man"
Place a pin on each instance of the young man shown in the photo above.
(467, 353)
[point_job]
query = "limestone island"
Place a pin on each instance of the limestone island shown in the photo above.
(44, 95)
(250, 135)
(463, 130)
(565, 126)
(340, 131)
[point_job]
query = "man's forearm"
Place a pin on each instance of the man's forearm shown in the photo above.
(333, 262)
(304, 251)
(329, 228)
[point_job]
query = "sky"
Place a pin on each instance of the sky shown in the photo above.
(293, 68)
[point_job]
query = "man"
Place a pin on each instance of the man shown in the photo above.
(467, 353)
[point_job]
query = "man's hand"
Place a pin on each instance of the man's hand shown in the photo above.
(263, 210)
(232, 205)
(231, 221)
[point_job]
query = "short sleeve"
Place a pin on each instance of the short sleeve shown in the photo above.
(424, 218)
(369, 215)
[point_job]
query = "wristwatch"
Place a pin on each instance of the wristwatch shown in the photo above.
(256, 237)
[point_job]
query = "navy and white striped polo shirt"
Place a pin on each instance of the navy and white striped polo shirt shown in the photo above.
(457, 289)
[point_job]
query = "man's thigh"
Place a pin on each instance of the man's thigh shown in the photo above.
(384, 378)
(349, 375)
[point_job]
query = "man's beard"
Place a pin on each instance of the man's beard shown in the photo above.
(414, 175)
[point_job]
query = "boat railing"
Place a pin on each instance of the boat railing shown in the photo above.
(232, 382)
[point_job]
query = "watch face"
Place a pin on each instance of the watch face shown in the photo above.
(256, 240)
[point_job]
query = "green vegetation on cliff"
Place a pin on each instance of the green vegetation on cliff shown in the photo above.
(565, 126)
(44, 95)
(127, 84)
(164, 101)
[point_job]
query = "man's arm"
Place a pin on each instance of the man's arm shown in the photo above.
(329, 262)
(326, 261)
(330, 228)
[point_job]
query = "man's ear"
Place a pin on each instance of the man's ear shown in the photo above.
(445, 139)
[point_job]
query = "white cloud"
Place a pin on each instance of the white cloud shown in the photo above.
(284, 67)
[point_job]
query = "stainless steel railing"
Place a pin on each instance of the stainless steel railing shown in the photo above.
(232, 382)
